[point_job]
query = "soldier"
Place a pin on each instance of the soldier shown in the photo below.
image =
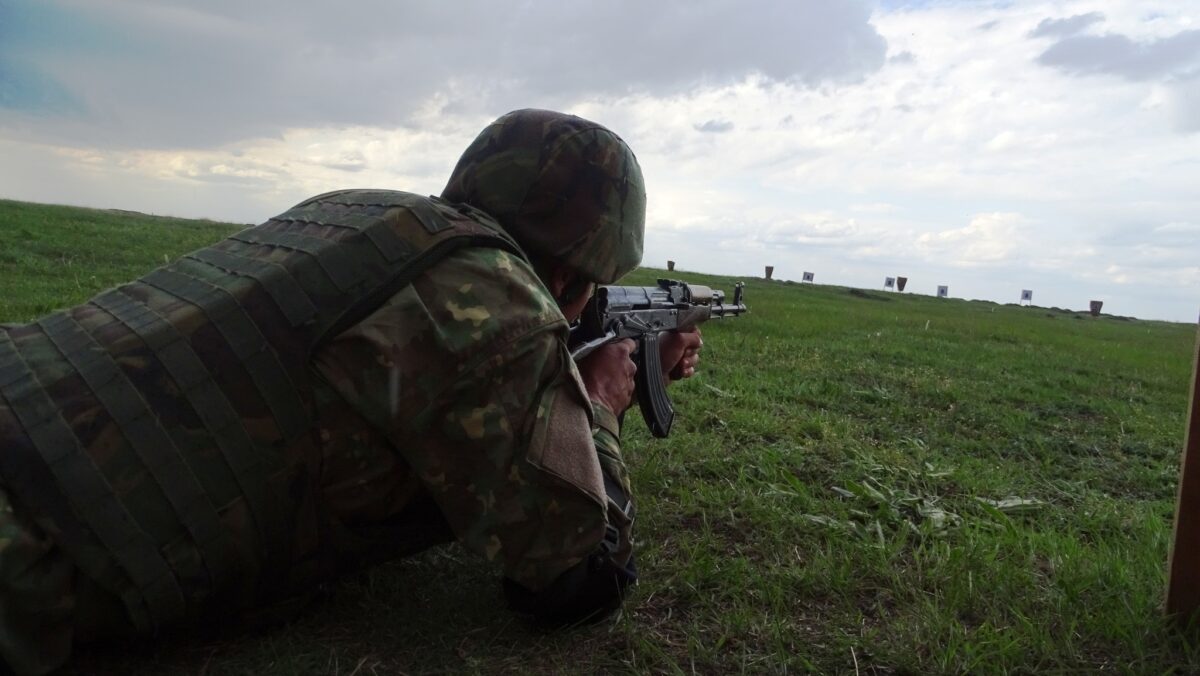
(362, 377)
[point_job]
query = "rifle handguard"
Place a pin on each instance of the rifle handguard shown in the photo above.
(651, 390)
(641, 313)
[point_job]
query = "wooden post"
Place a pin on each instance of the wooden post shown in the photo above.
(1183, 583)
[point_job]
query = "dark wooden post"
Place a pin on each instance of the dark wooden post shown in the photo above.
(1183, 584)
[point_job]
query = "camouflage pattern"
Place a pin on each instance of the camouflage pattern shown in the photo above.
(36, 594)
(147, 425)
(468, 373)
(565, 188)
(375, 415)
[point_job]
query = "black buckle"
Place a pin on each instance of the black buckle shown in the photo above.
(608, 545)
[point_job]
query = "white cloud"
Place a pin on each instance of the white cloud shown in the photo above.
(1066, 26)
(988, 238)
(874, 208)
(928, 140)
(1121, 56)
(1192, 229)
(192, 73)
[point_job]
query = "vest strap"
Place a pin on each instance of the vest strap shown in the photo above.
(336, 263)
(146, 436)
(433, 221)
(373, 223)
(287, 293)
(247, 342)
(91, 496)
(216, 413)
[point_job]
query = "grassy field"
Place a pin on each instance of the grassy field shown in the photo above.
(858, 482)
(53, 256)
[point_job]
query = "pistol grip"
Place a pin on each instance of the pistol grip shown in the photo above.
(651, 390)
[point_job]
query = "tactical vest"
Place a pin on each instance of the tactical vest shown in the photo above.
(150, 425)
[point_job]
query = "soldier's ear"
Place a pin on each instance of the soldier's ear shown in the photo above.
(559, 278)
(576, 289)
(565, 283)
(553, 274)
(570, 290)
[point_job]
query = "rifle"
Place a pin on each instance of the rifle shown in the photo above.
(641, 313)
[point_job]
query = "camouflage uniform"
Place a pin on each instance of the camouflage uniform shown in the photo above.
(466, 375)
(284, 405)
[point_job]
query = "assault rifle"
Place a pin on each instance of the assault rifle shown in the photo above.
(641, 313)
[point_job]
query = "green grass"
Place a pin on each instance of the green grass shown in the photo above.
(53, 256)
(882, 483)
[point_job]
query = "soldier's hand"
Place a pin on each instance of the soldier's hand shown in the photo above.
(608, 375)
(679, 352)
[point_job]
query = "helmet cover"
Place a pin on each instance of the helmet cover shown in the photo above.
(563, 187)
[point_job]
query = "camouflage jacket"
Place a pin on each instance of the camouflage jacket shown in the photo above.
(449, 406)
(469, 396)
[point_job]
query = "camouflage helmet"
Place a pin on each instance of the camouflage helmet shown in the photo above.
(563, 187)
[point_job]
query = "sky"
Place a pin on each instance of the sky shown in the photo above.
(986, 146)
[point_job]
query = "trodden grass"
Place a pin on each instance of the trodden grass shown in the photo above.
(857, 482)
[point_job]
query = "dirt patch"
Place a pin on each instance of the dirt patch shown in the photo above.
(859, 293)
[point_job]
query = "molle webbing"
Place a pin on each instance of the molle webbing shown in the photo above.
(336, 262)
(141, 428)
(287, 294)
(225, 335)
(90, 495)
(383, 239)
(249, 345)
(430, 212)
(221, 421)
(369, 228)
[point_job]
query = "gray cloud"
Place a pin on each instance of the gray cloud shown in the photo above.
(185, 73)
(24, 87)
(1118, 55)
(714, 126)
(1182, 236)
(352, 166)
(1184, 103)
(1065, 27)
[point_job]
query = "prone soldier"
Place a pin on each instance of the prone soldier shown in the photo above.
(369, 374)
